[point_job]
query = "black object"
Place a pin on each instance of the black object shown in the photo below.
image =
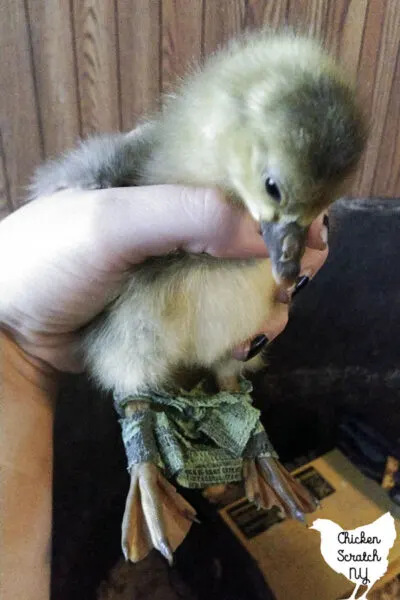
(253, 520)
(368, 449)
(272, 189)
(302, 282)
(90, 484)
(340, 350)
(352, 317)
(316, 484)
(257, 345)
(213, 562)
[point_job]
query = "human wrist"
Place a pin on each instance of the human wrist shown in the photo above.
(32, 372)
(27, 394)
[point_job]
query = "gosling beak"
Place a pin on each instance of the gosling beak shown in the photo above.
(286, 244)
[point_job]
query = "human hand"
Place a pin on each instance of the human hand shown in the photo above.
(314, 258)
(64, 257)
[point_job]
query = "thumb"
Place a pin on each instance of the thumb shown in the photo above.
(229, 231)
(154, 220)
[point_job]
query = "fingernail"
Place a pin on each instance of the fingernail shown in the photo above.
(301, 284)
(257, 345)
(325, 230)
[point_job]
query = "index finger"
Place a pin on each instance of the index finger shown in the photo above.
(317, 237)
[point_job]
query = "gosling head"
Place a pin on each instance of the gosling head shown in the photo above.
(300, 136)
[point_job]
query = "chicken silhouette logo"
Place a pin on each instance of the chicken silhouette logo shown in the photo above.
(360, 554)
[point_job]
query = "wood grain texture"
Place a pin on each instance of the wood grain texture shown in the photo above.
(97, 63)
(342, 35)
(139, 58)
(5, 200)
(310, 16)
(345, 36)
(260, 13)
(376, 73)
(388, 163)
(55, 71)
(222, 21)
(181, 39)
(18, 111)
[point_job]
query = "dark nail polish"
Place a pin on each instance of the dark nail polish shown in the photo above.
(257, 345)
(300, 285)
(325, 221)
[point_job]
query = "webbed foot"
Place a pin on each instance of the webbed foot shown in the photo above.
(268, 484)
(155, 516)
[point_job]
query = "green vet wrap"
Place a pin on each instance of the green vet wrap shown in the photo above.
(197, 438)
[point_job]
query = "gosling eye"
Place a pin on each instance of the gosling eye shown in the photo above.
(272, 189)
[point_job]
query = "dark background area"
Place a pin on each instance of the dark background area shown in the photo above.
(340, 352)
(339, 355)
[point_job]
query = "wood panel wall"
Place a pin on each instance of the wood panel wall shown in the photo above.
(73, 67)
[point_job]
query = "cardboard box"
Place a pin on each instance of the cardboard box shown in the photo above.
(288, 553)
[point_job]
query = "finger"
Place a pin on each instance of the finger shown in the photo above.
(250, 242)
(312, 261)
(276, 321)
(318, 233)
(241, 352)
(235, 234)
